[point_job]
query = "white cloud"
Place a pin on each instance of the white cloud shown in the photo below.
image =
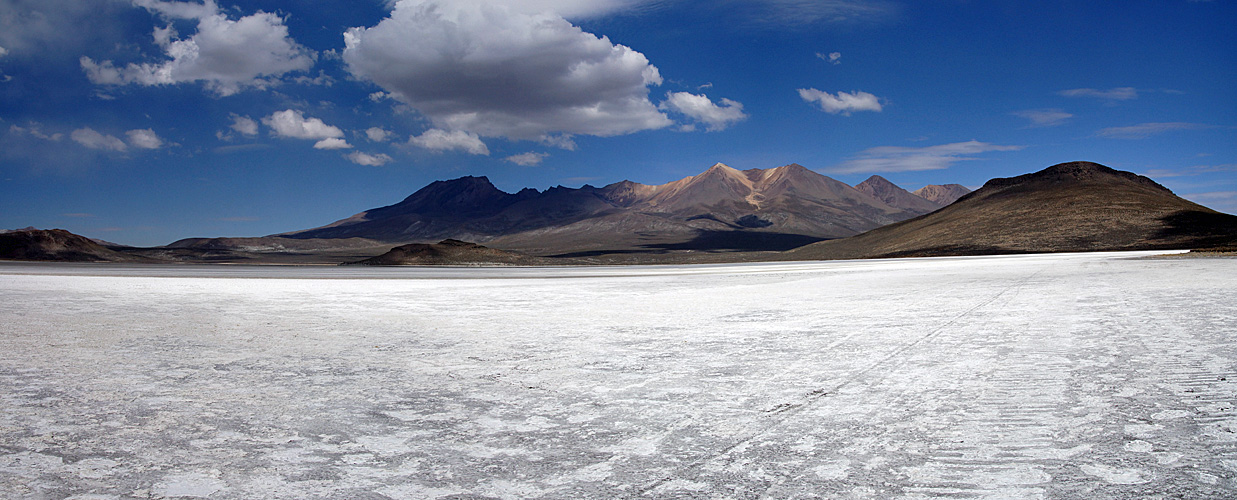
(701, 109)
(94, 140)
(1144, 130)
(292, 124)
(144, 139)
(4, 52)
(332, 143)
(244, 125)
(495, 71)
(527, 159)
(833, 58)
(367, 159)
(904, 159)
(377, 134)
(1044, 117)
(455, 140)
(1115, 94)
(226, 55)
(844, 103)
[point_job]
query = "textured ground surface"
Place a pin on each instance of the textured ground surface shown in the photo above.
(1066, 376)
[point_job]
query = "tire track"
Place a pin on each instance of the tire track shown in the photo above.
(781, 413)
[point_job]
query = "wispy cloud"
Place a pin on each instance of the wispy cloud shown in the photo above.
(904, 159)
(792, 13)
(1144, 130)
(1113, 94)
(1191, 171)
(1044, 117)
(834, 58)
(527, 159)
(843, 103)
(366, 159)
(1224, 201)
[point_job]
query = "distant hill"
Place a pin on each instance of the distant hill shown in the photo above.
(56, 245)
(719, 209)
(942, 194)
(894, 196)
(449, 252)
(1078, 206)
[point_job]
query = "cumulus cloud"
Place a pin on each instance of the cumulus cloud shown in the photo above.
(527, 159)
(1115, 94)
(244, 125)
(332, 143)
(698, 107)
(833, 58)
(1144, 130)
(904, 159)
(497, 71)
(455, 140)
(1044, 117)
(227, 55)
(4, 52)
(377, 134)
(367, 159)
(94, 140)
(843, 103)
(292, 124)
(144, 139)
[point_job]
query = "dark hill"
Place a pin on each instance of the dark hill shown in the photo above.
(56, 245)
(1078, 206)
(448, 252)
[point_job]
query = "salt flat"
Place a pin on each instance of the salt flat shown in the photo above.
(1051, 376)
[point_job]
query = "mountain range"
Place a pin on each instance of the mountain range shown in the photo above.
(719, 215)
(721, 208)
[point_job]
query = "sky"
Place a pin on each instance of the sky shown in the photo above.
(146, 121)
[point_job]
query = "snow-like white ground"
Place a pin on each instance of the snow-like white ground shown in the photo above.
(1062, 376)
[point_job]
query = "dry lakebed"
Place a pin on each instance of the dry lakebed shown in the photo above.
(1101, 375)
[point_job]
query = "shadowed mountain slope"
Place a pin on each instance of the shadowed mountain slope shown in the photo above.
(1078, 206)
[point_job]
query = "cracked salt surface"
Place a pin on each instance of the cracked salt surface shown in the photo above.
(1049, 376)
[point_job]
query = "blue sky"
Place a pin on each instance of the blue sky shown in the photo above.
(146, 121)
